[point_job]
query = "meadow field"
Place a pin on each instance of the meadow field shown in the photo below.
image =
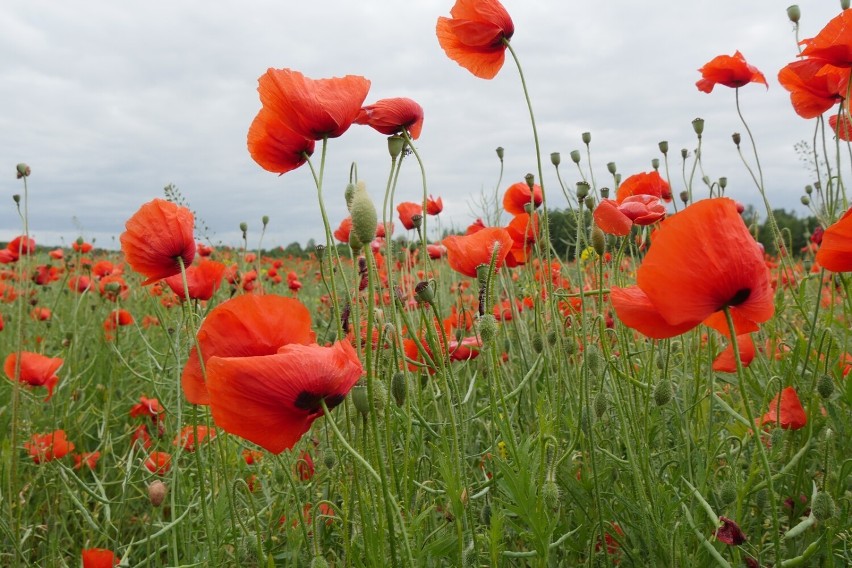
(652, 386)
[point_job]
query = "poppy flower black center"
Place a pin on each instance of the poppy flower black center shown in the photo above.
(312, 402)
(740, 297)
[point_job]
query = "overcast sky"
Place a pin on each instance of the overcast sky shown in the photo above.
(110, 101)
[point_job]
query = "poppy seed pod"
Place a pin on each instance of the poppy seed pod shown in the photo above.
(809, 189)
(582, 190)
(794, 13)
(589, 202)
(16, 198)
(530, 179)
(23, 170)
(736, 138)
(500, 152)
(805, 200)
(587, 137)
(698, 126)
(684, 153)
(684, 196)
(417, 220)
(244, 227)
(395, 146)
(575, 156)
(555, 158)
(723, 182)
(664, 146)
(844, 4)
(364, 216)
(655, 163)
(604, 192)
(617, 178)
(264, 220)
(425, 292)
(610, 167)
(320, 250)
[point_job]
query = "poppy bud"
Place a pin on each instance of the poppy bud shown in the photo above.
(399, 388)
(598, 239)
(395, 146)
(610, 167)
(664, 147)
(23, 170)
(16, 198)
(425, 292)
(723, 182)
(157, 491)
(265, 220)
(537, 343)
(570, 347)
(319, 562)
(809, 189)
(663, 392)
(761, 500)
(684, 196)
(555, 158)
(552, 338)
(593, 359)
(587, 137)
(530, 179)
(601, 403)
(487, 328)
(550, 494)
(684, 153)
(354, 242)
(822, 506)
(805, 200)
(698, 126)
(582, 190)
(364, 216)
(604, 193)
(728, 492)
(736, 138)
(575, 156)
(329, 458)
(655, 163)
(825, 386)
(500, 152)
(360, 399)
(794, 13)
(589, 202)
(349, 194)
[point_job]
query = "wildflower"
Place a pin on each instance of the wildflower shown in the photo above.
(81, 246)
(476, 36)
(272, 400)
(814, 86)
(202, 279)
(157, 236)
(730, 532)
(617, 218)
(158, 463)
(644, 183)
(242, 327)
(252, 457)
(833, 44)
(701, 261)
(842, 126)
(48, 447)
(434, 206)
(187, 440)
(725, 362)
(35, 370)
(87, 459)
(275, 146)
(518, 196)
(79, 284)
(99, 558)
(835, 251)
(343, 230)
(790, 415)
(305, 466)
(730, 71)
(436, 251)
(407, 211)
(40, 313)
(141, 435)
(116, 318)
(391, 116)
(312, 108)
(149, 407)
(466, 253)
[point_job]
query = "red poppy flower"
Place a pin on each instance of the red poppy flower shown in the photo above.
(48, 447)
(843, 130)
(141, 435)
(20, 246)
(474, 227)
(644, 183)
(79, 284)
(835, 251)
(702, 260)
(475, 36)
(81, 246)
(99, 558)
(113, 287)
(342, 231)
(186, 438)
(245, 326)
(524, 230)
(725, 361)
(434, 206)
(617, 218)
(407, 211)
(730, 71)
(117, 318)
(272, 400)
(730, 532)
(312, 108)
(57, 254)
(833, 44)
(275, 146)
(252, 457)
(791, 415)
(36, 370)
(159, 463)
(157, 236)
(814, 86)
(202, 279)
(466, 253)
(436, 251)
(40, 314)
(149, 407)
(518, 196)
(390, 116)
(305, 466)
(87, 459)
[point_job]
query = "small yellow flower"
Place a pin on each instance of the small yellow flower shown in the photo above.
(502, 451)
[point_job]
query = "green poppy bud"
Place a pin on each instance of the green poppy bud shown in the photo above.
(364, 216)
(399, 388)
(663, 392)
(823, 507)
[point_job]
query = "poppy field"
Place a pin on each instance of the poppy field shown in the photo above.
(665, 390)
